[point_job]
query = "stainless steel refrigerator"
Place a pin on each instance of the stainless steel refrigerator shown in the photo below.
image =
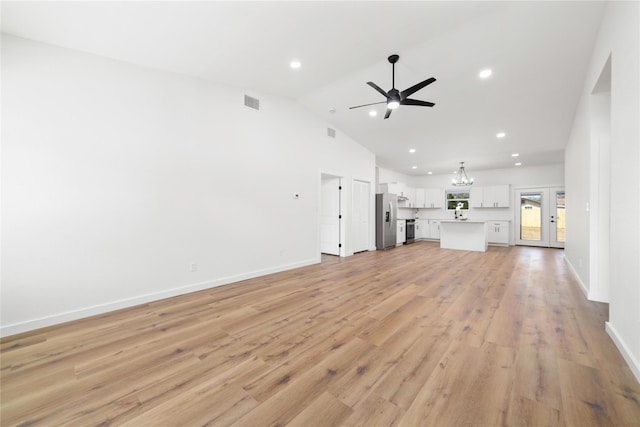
(386, 220)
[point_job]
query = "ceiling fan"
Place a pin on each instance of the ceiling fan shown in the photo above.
(395, 98)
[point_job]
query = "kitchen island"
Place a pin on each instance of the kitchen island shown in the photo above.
(464, 235)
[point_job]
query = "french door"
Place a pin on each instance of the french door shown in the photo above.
(540, 219)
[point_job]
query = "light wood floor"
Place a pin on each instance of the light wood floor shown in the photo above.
(415, 336)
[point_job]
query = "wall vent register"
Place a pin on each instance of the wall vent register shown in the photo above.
(251, 102)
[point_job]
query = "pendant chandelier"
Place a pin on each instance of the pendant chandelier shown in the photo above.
(461, 177)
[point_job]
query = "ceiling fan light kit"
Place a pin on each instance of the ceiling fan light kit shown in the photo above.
(395, 98)
(461, 178)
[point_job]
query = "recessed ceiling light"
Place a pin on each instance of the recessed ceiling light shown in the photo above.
(486, 73)
(518, 164)
(414, 167)
(373, 113)
(295, 64)
(412, 150)
(429, 173)
(515, 155)
(500, 135)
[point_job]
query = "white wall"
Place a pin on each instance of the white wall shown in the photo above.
(521, 176)
(388, 175)
(619, 37)
(600, 196)
(577, 198)
(116, 178)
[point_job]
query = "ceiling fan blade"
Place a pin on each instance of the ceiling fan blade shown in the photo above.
(364, 105)
(389, 110)
(376, 87)
(408, 101)
(413, 89)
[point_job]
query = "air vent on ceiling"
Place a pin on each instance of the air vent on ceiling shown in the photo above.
(331, 133)
(251, 102)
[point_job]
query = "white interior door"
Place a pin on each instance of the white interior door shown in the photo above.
(361, 214)
(330, 215)
(540, 219)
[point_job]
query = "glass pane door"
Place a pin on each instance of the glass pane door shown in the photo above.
(531, 229)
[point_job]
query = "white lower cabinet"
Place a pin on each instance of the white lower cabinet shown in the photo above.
(401, 234)
(434, 229)
(422, 229)
(498, 232)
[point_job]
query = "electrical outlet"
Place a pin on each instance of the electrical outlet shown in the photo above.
(194, 267)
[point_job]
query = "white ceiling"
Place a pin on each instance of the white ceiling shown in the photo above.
(538, 52)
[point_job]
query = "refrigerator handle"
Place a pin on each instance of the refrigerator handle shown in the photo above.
(393, 219)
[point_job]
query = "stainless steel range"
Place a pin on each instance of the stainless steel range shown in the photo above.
(411, 231)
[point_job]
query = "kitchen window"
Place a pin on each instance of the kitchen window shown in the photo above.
(456, 196)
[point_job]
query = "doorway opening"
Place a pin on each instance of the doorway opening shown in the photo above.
(600, 187)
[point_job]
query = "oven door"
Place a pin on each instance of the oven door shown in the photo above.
(411, 231)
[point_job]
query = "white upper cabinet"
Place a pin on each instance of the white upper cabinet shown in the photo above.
(410, 194)
(420, 202)
(428, 198)
(495, 196)
(476, 197)
(410, 197)
(433, 197)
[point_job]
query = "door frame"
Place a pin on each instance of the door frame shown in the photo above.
(368, 213)
(553, 229)
(341, 204)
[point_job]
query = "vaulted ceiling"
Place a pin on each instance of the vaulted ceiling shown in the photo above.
(538, 52)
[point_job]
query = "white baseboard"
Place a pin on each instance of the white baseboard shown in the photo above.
(55, 319)
(633, 363)
(575, 275)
